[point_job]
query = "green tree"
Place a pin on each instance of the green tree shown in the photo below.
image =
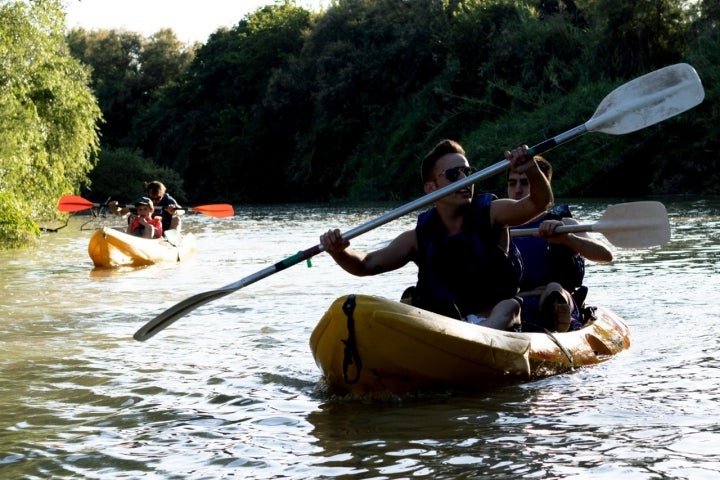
(48, 118)
(687, 159)
(290, 106)
(127, 71)
(368, 64)
(135, 171)
(631, 38)
(212, 126)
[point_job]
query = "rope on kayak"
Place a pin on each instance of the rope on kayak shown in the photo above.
(562, 348)
(352, 356)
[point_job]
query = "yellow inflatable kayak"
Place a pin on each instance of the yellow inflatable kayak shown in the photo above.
(109, 248)
(370, 345)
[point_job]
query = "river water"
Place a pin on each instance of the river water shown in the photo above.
(232, 391)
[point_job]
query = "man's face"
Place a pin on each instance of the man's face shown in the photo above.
(155, 196)
(517, 186)
(448, 169)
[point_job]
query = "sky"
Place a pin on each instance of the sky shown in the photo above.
(191, 20)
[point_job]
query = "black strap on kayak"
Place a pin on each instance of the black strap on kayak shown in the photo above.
(352, 356)
(564, 350)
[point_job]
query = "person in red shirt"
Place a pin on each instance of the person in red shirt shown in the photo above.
(143, 224)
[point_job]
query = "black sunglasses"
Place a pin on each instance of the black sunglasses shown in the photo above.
(453, 173)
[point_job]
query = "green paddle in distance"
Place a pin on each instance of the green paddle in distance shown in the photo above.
(625, 225)
(642, 102)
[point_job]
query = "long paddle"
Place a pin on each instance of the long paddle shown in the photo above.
(642, 102)
(74, 203)
(625, 225)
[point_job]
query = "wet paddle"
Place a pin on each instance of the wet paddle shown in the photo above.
(74, 203)
(642, 102)
(625, 225)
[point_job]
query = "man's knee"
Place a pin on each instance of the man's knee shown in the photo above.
(512, 305)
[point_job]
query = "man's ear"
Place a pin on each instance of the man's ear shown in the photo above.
(429, 187)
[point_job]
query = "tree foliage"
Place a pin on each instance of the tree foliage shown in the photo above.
(290, 105)
(48, 118)
(127, 71)
(211, 125)
(135, 172)
(341, 104)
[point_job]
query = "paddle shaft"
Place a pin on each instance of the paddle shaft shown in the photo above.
(579, 228)
(637, 104)
(642, 102)
(74, 203)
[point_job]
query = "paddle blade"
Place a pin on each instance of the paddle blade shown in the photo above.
(635, 224)
(174, 313)
(220, 210)
(625, 225)
(73, 203)
(647, 100)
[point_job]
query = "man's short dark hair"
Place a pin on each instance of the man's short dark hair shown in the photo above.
(443, 148)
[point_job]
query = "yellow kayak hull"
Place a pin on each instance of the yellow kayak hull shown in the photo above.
(109, 248)
(389, 347)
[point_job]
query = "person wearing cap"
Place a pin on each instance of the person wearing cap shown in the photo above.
(143, 224)
(157, 192)
(467, 268)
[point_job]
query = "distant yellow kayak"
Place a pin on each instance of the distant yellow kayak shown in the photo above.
(109, 248)
(371, 345)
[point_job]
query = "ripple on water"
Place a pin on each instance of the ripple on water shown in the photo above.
(231, 390)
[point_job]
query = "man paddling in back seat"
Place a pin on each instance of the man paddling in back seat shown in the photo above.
(553, 263)
(157, 192)
(466, 266)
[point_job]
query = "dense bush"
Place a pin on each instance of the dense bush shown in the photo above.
(121, 175)
(48, 119)
(290, 105)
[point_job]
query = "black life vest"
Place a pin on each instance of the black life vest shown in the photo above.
(545, 262)
(464, 273)
(165, 201)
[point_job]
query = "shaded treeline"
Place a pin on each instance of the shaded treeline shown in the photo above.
(291, 105)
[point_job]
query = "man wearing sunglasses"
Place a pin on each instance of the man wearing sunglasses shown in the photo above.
(466, 266)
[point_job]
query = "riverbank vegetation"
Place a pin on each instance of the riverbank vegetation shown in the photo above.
(292, 105)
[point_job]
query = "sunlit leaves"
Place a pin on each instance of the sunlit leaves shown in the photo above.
(48, 118)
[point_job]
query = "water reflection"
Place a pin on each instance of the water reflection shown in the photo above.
(232, 391)
(513, 431)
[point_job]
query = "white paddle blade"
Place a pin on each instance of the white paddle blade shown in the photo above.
(625, 225)
(635, 224)
(648, 100)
